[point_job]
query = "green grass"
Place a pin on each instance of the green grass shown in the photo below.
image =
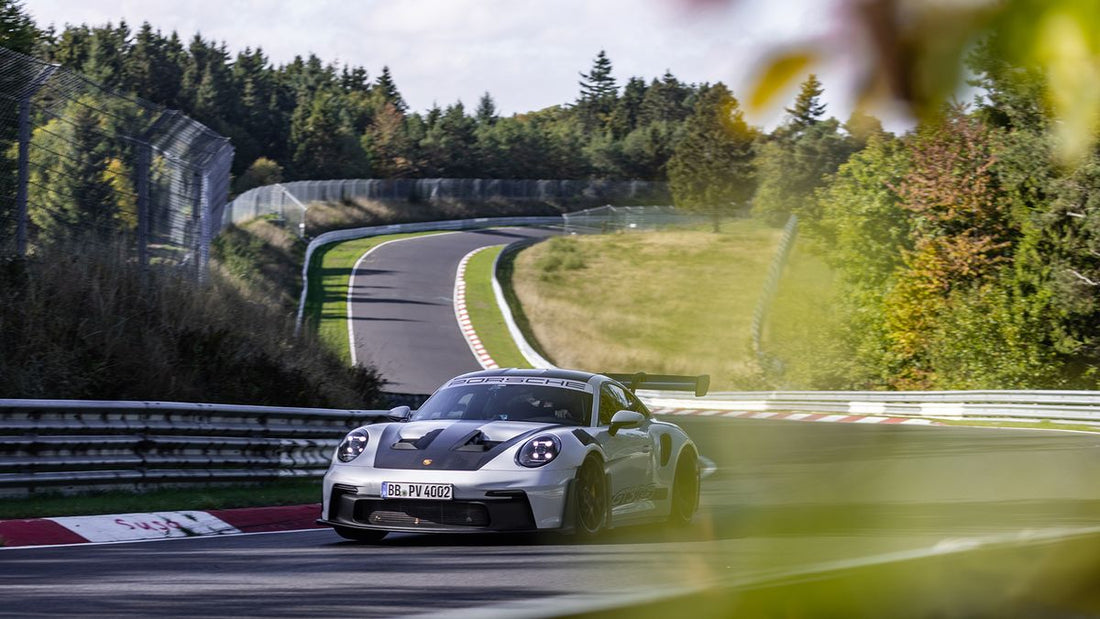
(675, 301)
(485, 313)
(1026, 425)
(326, 305)
(280, 492)
(801, 332)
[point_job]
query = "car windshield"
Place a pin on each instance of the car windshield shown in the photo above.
(530, 403)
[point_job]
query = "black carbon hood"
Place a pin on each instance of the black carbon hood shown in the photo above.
(460, 446)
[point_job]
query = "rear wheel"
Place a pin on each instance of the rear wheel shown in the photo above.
(360, 535)
(685, 490)
(590, 496)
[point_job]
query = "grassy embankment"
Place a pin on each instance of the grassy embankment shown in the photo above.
(678, 301)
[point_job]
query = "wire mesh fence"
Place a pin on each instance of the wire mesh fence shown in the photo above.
(291, 201)
(617, 218)
(82, 161)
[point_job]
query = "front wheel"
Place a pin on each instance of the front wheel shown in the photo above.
(685, 490)
(369, 536)
(590, 497)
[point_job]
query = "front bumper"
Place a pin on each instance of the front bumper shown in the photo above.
(483, 501)
(509, 512)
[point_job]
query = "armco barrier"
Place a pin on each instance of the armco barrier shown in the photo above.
(58, 444)
(1062, 406)
(338, 236)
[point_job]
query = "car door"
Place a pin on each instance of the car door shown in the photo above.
(629, 456)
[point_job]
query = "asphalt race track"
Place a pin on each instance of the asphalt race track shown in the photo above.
(402, 309)
(787, 499)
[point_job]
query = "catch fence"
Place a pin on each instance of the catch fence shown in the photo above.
(291, 201)
(610, 218)
(83, 161)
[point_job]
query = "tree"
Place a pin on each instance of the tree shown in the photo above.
(71, 178)
(599, 94)
(385, 88)
(17, 30)
(665, 100)
(712, 170)
(801, 153)
(263, 171)
(323, 143)
(808, 108)
(387, 144)
(449, 144)
(152, 68)
(486, 113)
(961, 234)
(624, 118)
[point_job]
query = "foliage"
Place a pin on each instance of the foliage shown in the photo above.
(263, 171)
(80, 321)
(712, 169)
(799, 156)
(917, 58)
(320, 121)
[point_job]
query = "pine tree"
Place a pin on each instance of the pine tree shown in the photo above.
(599, 94)
(712, 170)
(387, 89)
(486, 111)
(624, 118)
(17, 31)
(808, 108)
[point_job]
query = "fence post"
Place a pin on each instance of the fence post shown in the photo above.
(23, 178)
(198, 182)
(141, 172)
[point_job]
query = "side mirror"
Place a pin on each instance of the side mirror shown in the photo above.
(400, 413)
(625, 419)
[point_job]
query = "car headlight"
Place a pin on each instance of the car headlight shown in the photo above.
(539, 451)
(352, 445)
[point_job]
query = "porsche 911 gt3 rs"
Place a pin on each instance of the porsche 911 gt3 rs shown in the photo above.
(517, 450)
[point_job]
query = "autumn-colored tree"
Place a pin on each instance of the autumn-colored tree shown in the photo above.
(960, 233)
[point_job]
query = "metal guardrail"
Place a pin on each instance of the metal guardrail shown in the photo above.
(64, 444)
(1063, 406)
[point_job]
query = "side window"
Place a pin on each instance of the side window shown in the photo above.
(636, 405)
(609, 405)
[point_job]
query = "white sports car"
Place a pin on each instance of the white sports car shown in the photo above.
(517, 450)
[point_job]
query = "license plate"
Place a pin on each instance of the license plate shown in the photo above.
(406, 490)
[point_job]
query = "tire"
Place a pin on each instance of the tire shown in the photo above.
(685, 491)
(369, 536)
(590, 499)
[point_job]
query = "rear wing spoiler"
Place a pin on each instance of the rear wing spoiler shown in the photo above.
(664, 382)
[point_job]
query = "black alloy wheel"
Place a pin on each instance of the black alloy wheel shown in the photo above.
(590, 492)
(685, 490)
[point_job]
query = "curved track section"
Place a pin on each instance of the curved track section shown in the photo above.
(787, 499)
(401, 307)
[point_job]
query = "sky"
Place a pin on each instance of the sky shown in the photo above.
(526, 53)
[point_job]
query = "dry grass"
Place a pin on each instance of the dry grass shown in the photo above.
(678, 301)
(83, 321)
(263, 260)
